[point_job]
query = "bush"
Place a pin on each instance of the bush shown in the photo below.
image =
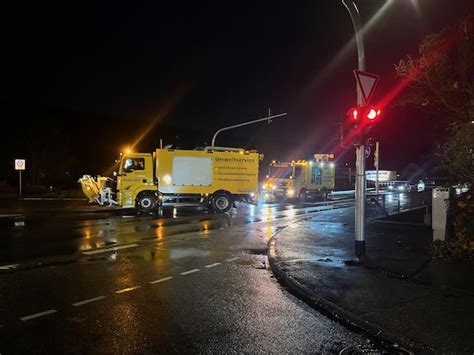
(461, 241)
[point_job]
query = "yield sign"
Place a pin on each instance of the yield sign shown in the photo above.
(367, 83)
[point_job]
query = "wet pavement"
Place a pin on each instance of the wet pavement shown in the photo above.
(59, 229)
(189, 282)
(114, 281)
(398, 293)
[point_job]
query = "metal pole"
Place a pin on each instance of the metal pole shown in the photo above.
(244, 124)
(355, 17)
(19, 172)
(360, 151)
(360, 202)
(377, 157)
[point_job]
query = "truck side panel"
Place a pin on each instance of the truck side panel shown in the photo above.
(236, 172)
(192, 171)
(321, 177)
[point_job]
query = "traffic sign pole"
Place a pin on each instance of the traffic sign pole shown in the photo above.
(376, 161)
(360, 202)
(360, 151)
(20, 164)
(19, 173)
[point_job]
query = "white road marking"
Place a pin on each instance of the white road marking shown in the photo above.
(128, 289)
(161, 280)
(189, 272)
(108, 250)
(233, 259)
(212, 265)
(9, 215)
(8, 267)
(80, 303)
(37, 315)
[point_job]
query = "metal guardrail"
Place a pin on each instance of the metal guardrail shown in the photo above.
(389, 203)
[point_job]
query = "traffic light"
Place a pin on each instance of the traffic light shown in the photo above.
(372, 113)
(359, 121)
(353, 114)
(364, 114)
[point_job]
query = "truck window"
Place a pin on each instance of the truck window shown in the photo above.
(316, 178)
(280, 172)
(133, 164)
(298, 171)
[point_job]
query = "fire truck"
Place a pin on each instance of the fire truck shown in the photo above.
(300, 179)
(213, 176)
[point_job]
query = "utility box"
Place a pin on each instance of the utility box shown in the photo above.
(440, 212)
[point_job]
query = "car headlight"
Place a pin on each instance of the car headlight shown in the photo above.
(290, 192)
(401, 188)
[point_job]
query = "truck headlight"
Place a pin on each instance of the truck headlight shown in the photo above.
(290, 192)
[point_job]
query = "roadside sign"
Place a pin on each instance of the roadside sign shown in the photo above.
(367, 151)
(20, 164)
(367, 83)
(384, 175)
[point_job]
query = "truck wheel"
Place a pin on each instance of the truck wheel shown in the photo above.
(146, 202)
(302, 195)
(221, 202)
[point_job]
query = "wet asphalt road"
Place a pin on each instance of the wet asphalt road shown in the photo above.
(189, 282)
(44, 230)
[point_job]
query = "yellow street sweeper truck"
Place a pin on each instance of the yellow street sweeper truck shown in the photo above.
(212, 176)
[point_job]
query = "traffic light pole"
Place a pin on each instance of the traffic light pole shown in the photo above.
(360, 149)
(376, 161)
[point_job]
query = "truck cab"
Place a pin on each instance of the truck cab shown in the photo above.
(299, 179)
(136, 178)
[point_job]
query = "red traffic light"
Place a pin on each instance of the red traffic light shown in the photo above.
(353, 114)
(373, 113)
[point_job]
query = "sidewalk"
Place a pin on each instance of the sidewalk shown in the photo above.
(400, 295)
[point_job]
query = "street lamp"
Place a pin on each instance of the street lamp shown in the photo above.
(268, 118)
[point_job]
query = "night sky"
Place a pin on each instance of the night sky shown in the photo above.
(88, 78)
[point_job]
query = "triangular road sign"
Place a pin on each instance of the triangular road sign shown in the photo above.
(367, 83)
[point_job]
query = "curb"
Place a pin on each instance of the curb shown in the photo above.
(337, 313)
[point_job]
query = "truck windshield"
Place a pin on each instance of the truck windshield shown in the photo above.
(132, 164)
(280, 172)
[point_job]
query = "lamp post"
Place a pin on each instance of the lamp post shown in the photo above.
(360, 149)
(268, 118)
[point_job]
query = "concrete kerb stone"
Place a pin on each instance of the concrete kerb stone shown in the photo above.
(335, 312)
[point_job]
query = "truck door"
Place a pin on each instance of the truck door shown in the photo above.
(316, 178)
(136, 172)
(299, 176)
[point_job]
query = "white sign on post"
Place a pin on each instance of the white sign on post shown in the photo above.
(20, 164)
(367, 83)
